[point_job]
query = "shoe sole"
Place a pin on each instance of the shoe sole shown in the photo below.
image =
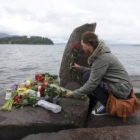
(93, 113)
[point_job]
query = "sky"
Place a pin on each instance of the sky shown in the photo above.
(118, 21)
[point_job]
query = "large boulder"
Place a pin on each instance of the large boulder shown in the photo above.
(19, 123)
(65, 76)
(105, 133)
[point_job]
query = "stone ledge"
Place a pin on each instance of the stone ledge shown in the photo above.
(137, 91)
(104, 133)
(108, 120)
(21, 122)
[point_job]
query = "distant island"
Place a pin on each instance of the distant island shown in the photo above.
(25, 40)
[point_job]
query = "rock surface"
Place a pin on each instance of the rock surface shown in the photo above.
(105, 133)
(72, 86)
(22, 122)
(136, 83)
(102, 121)
(108, 120)
(64, 74)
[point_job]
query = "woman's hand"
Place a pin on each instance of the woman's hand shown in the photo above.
(76, 66)
(68, 95)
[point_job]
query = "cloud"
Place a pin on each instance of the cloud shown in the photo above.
(18, 11)
(117, 20)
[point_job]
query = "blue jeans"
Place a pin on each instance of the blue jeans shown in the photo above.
(100, 93)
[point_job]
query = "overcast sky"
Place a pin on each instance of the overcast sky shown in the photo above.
(118, 21)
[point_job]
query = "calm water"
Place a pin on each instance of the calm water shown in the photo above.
(18, 62)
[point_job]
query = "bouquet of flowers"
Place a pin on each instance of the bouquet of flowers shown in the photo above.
(31, 91)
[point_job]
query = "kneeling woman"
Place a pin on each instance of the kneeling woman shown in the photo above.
(104, 67)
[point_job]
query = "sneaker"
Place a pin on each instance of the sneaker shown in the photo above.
(100, 111)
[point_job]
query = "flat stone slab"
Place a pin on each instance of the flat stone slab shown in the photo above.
(135, 80)
(19, 123)
(102, 121)
(104, 133)
(137, 91)
(108, 120)
(22, 122)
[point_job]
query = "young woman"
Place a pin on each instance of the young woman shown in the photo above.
(106, 70)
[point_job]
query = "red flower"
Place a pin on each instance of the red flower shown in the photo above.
(76, 45)
(39, 77)
(42, 89)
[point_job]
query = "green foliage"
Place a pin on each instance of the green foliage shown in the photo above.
(74, 57)
(53, 92)
(34, 87)
(25, 40)
(28, 100)
(51, 78)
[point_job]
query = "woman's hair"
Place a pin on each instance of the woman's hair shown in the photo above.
(91, 38)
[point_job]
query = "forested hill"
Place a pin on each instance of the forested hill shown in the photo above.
(25, 40)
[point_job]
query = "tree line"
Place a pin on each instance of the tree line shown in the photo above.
(25, 40)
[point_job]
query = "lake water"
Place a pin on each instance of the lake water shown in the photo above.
(18, 62)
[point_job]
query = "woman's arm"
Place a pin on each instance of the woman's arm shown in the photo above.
(82, 69)
(98, 70)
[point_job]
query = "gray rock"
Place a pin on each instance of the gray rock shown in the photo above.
(137, 91)
(72, 86)
(108, 120)
(64, 74)
(19, 123)
(105, 133)
(135, 79)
